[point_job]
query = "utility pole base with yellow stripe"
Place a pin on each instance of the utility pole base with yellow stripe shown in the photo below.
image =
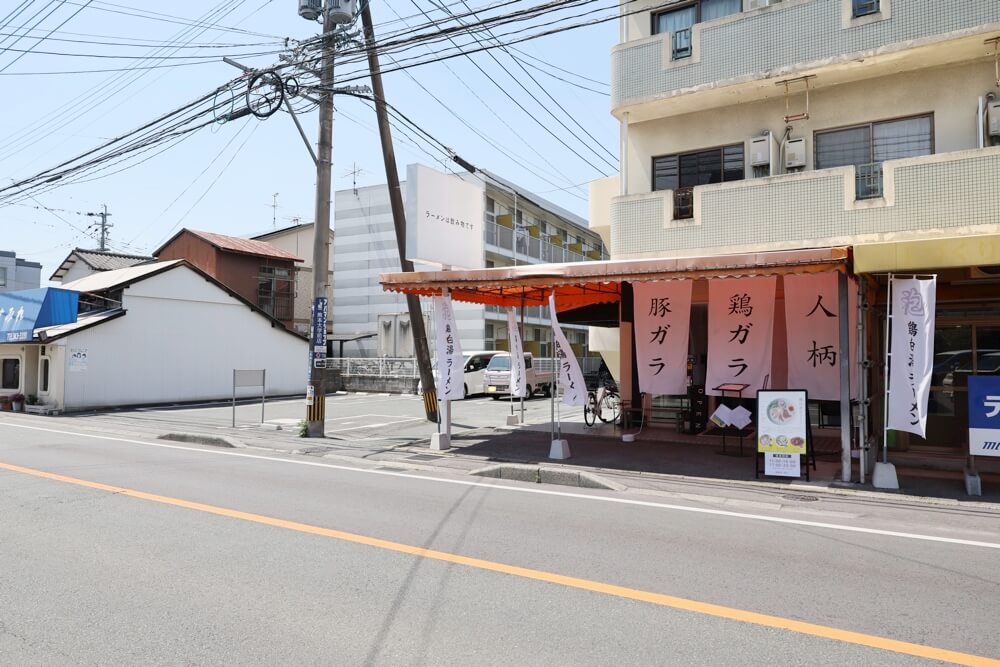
(316, 411)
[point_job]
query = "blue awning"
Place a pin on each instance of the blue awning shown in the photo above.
(26, 310)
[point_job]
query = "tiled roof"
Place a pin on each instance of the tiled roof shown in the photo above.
(109, 261)
(245, 246)
(98, 260)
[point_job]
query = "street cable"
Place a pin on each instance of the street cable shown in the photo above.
(40, 12)
(42, 39)
(522, 107)
(612, 165)
(510, 155)
(110, 87)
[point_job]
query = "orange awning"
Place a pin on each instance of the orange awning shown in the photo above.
(579, 284)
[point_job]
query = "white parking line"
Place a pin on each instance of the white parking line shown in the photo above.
(544, 492)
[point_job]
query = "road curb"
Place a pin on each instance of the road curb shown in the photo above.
(199, 439)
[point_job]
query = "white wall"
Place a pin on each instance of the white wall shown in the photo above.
(78, 270)
(179, 341)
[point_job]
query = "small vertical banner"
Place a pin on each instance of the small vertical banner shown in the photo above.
(812, 320)
(451, 373)
(570, 375)
(518, 382)
(911, 353)
(740, 332)
(662, 317)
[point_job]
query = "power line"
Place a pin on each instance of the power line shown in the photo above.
(24, 53)
(521, 106)
(547, 94)
(482, 136)
(169, 18)
(110, 87)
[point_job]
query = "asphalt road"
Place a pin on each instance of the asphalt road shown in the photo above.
(123, 553)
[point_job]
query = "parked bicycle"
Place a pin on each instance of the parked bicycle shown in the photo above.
(604, 404)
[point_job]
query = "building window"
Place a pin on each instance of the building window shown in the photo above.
(682, 172)
(864, 7)
(679, 21)
(3, 276)
(10, 374)
(43, 376)
(866, 147)
(276, 292)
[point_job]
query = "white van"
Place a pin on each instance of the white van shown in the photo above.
(475, 370)
(475, 364)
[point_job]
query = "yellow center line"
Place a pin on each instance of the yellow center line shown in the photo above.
(704, 608)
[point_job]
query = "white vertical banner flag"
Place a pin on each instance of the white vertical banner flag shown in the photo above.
(812, 320)
(662, 316)
(740, 332)
(518, 383)
(911, 355)
(451, 372)
(570, 375)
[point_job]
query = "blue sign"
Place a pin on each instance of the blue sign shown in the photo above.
(24, 311)
(984, 415)
(319, 315)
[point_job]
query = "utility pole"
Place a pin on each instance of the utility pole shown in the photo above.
(105, 225)
(316, 388)
(399, 220)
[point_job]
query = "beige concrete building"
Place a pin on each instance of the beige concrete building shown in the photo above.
(762, 125)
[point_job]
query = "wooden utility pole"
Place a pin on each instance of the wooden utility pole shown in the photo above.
(316, 389)
(399, 221)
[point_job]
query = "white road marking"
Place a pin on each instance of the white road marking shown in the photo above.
(544, 492)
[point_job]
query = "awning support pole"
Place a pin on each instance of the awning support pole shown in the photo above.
(845, 378)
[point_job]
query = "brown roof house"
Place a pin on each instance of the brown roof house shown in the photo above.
(261, 273)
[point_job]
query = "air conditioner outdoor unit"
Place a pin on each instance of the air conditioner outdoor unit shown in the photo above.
(757, 4)
(795, 154)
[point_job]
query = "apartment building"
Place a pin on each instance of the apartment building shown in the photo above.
(750, 126)
(520, 228)
(17, 273)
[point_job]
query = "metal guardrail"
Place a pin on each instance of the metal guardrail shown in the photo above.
(375, 367)
(681, 46)
(865, 7)
(406, 367)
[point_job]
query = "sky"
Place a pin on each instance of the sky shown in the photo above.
(248, 176)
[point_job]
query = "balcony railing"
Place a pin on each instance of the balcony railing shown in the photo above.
(864, 7)
(817, 208)
(642, 73)
(683, 203)
(530, 247)
(868, 181)
(681, 44)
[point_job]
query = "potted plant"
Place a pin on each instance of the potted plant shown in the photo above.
(34, 407)
(18, 402)
(5, 403)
